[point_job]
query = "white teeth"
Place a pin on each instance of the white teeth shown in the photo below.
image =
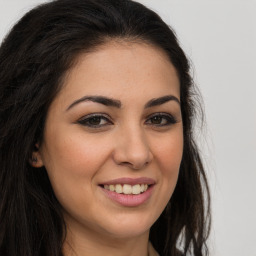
(127, 189)
(136, 189)
(111, 187)
(119, 189)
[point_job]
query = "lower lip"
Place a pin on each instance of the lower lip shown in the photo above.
(129, 200)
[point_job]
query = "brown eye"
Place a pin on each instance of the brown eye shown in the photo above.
(95, 121)
(156, 120)
(161, 119)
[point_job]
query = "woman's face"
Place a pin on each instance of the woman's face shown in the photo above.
(113, 140)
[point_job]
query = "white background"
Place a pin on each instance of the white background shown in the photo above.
(220, 38)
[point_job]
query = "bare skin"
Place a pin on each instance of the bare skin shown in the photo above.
(90, 141)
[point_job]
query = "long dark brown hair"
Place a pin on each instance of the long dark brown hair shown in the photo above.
(34, 58)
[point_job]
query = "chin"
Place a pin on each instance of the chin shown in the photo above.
(128, 226)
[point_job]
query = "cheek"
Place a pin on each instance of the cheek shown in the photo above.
(169, 153)
(74, 155)
(168, 156)
(170, 160)
(71, 164)
(72, 161)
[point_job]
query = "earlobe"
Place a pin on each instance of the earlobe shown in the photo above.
(36, 159)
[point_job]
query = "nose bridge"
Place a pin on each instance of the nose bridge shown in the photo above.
(132, 147)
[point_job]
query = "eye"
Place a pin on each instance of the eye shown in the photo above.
(161, 119)
(95, 121)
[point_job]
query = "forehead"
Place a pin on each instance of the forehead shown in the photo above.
(121, 68)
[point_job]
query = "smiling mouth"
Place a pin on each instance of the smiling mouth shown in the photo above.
(127, 189)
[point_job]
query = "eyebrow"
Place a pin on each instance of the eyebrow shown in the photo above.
(117, 103)
(98, 99)
(161, 100)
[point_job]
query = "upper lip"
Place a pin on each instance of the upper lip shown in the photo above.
(130, 181)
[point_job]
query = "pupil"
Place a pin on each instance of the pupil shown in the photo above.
(156, 119)
(95, 120)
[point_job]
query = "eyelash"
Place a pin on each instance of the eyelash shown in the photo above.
(87, 120)
(94, 117)
(169, 119)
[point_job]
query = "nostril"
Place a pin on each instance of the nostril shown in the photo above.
(125, 163)
(132, 155)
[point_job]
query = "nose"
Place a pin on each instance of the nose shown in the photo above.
(132, 149)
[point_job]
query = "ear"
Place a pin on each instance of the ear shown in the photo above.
(36, 158)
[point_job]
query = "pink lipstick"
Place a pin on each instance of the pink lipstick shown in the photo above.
(129, 192)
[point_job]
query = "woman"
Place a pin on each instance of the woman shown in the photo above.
(96, 147)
